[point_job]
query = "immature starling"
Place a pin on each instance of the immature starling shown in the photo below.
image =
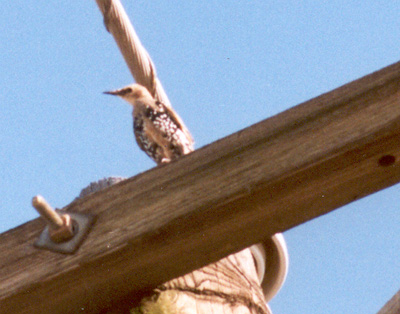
(158, 129)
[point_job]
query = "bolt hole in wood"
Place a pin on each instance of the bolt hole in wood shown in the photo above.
(75, 227)
(386, 160)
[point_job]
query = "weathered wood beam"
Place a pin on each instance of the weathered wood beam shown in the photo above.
(267, 178)
(392, 306)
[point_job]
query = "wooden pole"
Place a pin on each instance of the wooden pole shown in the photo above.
(229, 286)
(168, 221)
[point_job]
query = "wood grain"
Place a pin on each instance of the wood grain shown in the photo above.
(229, 286)
(392, 306)
(168, 221)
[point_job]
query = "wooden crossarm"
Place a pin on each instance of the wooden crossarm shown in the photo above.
(268, 178)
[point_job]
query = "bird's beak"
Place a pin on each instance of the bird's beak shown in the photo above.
(113, 92)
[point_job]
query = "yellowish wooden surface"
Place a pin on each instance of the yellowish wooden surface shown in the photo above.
(175, 218)
(229, 286)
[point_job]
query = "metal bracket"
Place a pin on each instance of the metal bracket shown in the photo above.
(65, 231)
(81, 224)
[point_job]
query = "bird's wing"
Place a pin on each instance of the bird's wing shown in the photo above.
(177, 120)
(138, 131)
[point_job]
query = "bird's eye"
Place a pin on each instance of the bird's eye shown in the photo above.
(123, 92)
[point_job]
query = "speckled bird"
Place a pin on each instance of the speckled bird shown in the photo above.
(158, 130)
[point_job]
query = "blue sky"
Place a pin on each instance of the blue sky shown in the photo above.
(224, 66)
